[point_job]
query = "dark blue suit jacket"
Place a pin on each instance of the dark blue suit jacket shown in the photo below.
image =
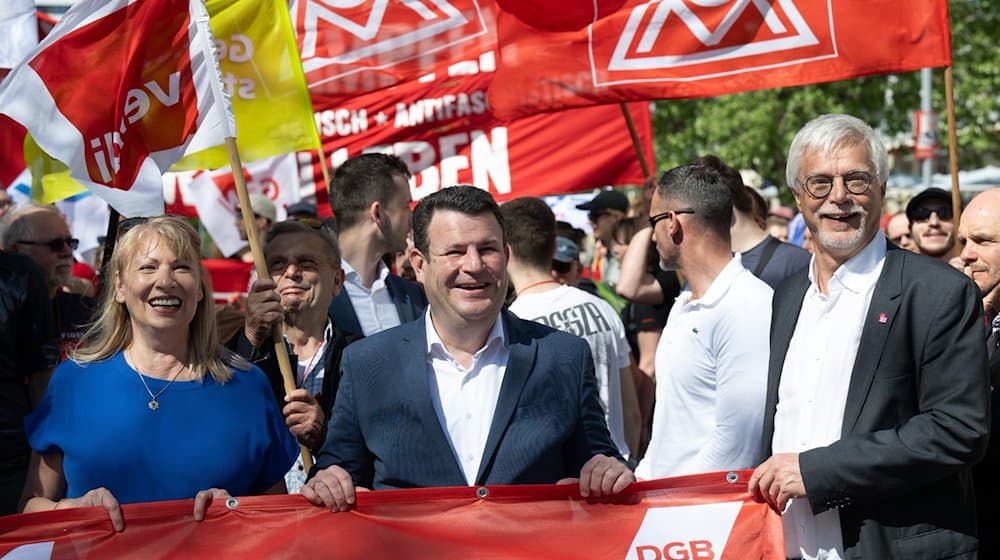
(385, 432)
(408, 296)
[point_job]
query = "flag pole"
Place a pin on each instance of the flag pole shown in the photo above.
(956, 195)
(222, 103)
(635, 138)
(325, 167)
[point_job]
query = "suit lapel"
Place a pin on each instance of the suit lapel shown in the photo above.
(519, 365)
(416, 380)
(343, 313)
(878, 321)
(400, 297)
(787, 305)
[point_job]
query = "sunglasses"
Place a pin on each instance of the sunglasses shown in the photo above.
(314, 223)
(653, 220)
(55, 245)
(922, 213)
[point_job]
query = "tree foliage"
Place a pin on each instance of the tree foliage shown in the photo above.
(754, 129)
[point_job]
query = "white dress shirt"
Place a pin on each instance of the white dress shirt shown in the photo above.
(711, 378)
(374, 307)
(465, 399)
(815, 377)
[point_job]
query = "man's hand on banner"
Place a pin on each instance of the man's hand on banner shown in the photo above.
(777, 480)
(602, 476)
(332, 487)
(204, 499)
(98, 497)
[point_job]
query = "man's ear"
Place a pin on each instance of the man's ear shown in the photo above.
(375, 212)
(338, 281)
(418, 262)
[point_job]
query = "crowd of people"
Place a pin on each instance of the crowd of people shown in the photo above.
(468, 342)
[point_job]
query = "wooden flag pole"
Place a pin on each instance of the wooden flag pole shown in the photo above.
(956, 195)
(635, 139)
(249, 222)
(325, 167)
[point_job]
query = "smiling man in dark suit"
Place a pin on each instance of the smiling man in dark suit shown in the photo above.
(468, 394)
(878, 394)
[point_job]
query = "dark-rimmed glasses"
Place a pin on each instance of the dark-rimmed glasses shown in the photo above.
(653, 220)
(819, 186)
(54, 245)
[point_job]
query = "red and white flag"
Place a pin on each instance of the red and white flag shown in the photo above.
(669, 49)
(18, 32)
(119, 91)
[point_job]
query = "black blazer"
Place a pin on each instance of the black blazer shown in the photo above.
(408, 296)
(917, 415)
(385, 432)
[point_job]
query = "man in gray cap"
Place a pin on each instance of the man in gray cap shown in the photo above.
(931, 224)
(264, 213)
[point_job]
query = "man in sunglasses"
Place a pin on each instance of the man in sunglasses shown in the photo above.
(711, 361)
(877, 389)
(931, 225)
(41, 233)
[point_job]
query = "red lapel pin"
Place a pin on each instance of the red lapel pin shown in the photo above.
(883, 318)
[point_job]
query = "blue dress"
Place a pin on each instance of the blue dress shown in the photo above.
(203, 434)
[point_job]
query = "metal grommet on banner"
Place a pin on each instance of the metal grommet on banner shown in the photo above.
(482, 492)
(732, 477)
(232, 503)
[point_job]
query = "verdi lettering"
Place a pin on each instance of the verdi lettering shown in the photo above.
(105, 149)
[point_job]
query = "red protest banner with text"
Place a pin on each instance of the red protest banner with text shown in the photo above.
(696, 517)
(681, 48)
(446, 134)
(351, 48)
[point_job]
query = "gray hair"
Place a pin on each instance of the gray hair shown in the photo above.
(18, 227)
(829, 132)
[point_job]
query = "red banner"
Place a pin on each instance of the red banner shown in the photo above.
(445, 132)
(681, 49)
(351, 48)
(700, 517)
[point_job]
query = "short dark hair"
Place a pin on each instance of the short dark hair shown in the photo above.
(465, 199)
(532, 236)
(703, 189)
(322, 233)
(362, 180)
(733, 180)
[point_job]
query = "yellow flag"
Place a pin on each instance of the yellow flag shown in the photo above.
(262, 70)
(50, 180)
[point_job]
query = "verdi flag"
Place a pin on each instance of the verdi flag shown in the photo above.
(668, 49)
(262, 73)
(119, 91)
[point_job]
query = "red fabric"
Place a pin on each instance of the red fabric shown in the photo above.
(677, 49)
(701, 517)
(445, 132)
(230, 278)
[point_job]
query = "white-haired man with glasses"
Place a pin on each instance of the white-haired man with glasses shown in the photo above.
(41, 233)
(877, 392)
(711, 360)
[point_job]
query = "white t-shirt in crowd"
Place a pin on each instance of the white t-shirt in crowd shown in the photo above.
(591, 318)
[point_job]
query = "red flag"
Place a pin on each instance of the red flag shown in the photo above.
(700, 517)
(350, 48)
(119, 91)
(444, 131)
(665, 49)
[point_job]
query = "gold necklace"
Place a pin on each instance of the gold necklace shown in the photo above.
(153, 404)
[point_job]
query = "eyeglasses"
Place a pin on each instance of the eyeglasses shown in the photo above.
(55, 245)
(922, 213)
(314, 223)
(6, 203)
(653, 220)
(596, 215)
(819, 186)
